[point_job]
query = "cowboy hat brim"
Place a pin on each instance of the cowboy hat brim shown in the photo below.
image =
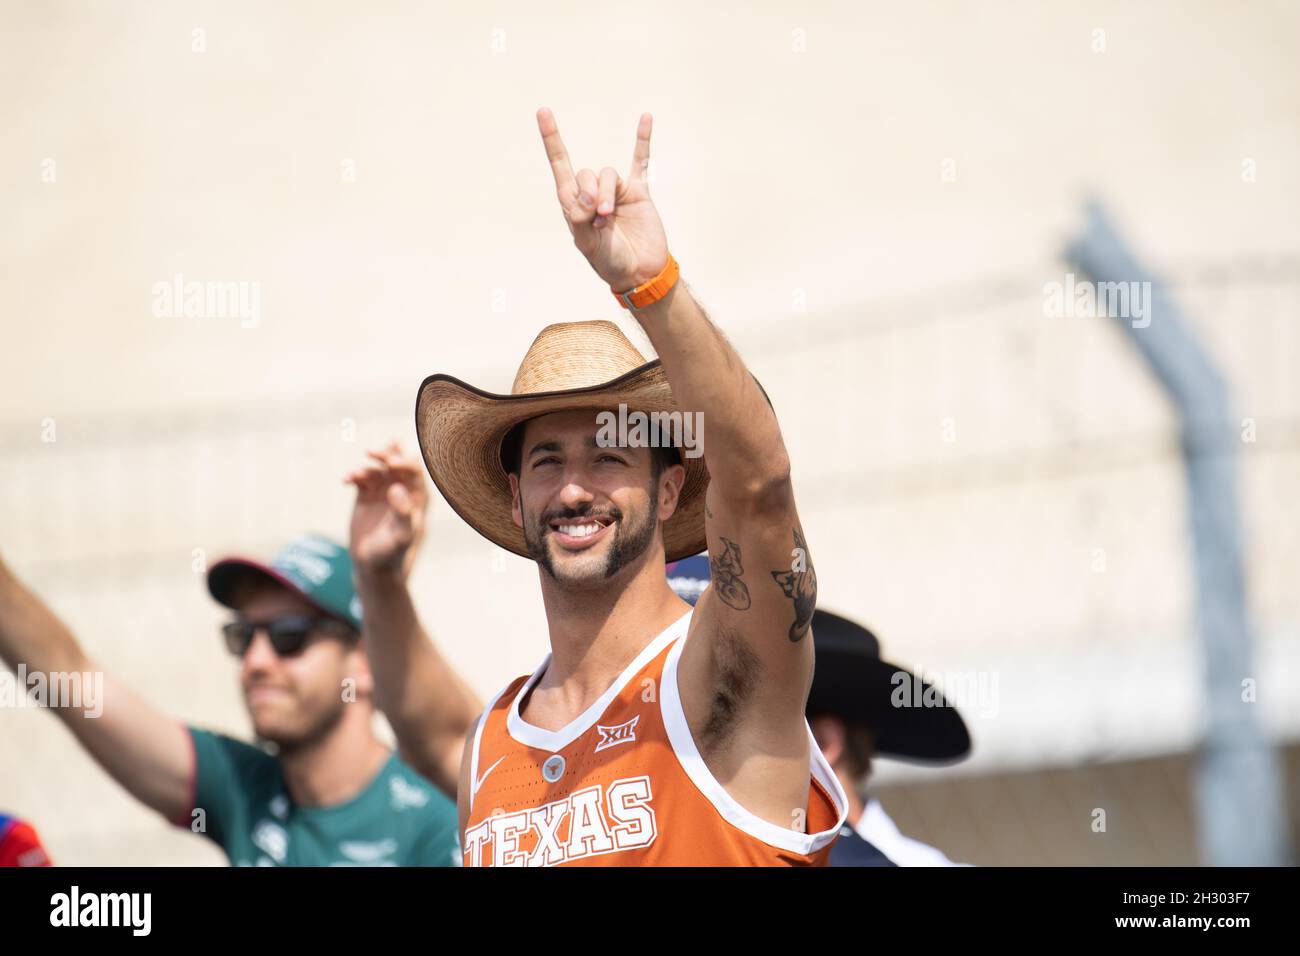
(861, 689)
(908, 717)
(460, 430)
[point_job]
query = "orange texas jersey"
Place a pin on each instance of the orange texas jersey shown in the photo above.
(624, 785)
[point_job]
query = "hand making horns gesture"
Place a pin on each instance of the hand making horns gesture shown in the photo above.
(613, 221)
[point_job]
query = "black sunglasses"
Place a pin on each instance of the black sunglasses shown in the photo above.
(288, 633)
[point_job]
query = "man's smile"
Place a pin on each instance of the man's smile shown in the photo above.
(257, 693)
(577, 534)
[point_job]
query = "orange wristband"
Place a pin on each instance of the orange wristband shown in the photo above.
(650, 292)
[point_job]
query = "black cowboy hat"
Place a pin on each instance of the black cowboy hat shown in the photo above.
(851, 682)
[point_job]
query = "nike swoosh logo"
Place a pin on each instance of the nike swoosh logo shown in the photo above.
(479, 783)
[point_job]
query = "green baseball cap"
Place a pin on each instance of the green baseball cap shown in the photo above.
(314, 566)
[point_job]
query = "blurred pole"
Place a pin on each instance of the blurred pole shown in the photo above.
(1239, 803)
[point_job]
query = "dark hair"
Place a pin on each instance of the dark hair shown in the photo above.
(512, 454)
(859, 745)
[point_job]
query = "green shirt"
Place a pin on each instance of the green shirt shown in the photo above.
(241, 804)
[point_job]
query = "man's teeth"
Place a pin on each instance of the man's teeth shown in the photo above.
(579, 530)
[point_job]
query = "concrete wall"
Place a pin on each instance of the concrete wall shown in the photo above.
(869, 199)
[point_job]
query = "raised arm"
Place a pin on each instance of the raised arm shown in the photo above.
(748, 663)
(429, 706)
(146, 751)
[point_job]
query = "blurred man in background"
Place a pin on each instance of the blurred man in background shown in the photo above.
(852, 716)
(331, 793)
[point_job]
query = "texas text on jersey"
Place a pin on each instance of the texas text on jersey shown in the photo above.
(624, 785)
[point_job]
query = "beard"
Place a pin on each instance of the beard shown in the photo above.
(631, 540)
(298, 727)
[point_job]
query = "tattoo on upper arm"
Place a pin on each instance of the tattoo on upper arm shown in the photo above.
(800, 585)
(727, 572)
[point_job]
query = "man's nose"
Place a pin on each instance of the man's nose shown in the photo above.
(574, 495)
(259, 655)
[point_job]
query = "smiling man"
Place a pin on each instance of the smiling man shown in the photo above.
(652, 734)
(323, 790)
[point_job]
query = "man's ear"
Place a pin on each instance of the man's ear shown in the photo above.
(829, 732)
(357, 663)
(516, 509)
(670, 490)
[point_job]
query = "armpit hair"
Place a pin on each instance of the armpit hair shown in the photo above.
(736, 670)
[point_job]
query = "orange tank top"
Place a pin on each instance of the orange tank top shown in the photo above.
(624, 785)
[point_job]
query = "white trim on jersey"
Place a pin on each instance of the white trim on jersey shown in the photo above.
(556, 740)
(474, 781)
(688, 755)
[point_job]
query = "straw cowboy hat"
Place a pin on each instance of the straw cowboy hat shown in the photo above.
(571, 365)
